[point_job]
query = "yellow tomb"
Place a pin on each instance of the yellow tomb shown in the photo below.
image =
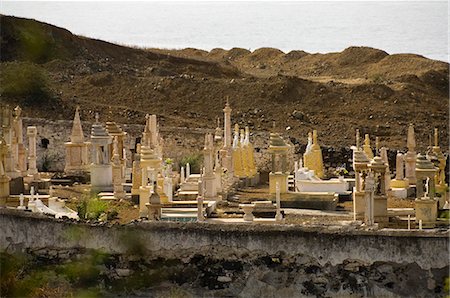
(313, 157)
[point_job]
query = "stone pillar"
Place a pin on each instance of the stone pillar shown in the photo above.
(278, 215)
(366, 147)
(188, 170)
(21, 151)
(182, 177)
(32, 134)
(209, 178)
(4, 179)
(369, 200)
(200, 214)
(136, 174)
(410, 158)
(226, 151)
(119, 192)
(387, 173)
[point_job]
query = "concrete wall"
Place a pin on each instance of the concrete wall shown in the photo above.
(428, 250)
(242, 260)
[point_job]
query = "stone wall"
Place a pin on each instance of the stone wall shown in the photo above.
(244, 260)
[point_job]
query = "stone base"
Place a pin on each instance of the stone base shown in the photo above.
(135, 199)
(400, 193)
(144, 198)
(359, 204)
(426, 210)
(380, 213)
(399, 183)
(411, 192)
(16, 186)
(4, 189)
(282, 180)
(101, 178)
(312, 200)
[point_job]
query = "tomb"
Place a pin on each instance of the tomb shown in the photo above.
(378, 167)
(399, 181)
(117, 170)
(101, 168)
(426, 205)
(441, 159)
(279, 174)
(209, 178)
(239, 164)
(313, 157)
(410, 157)
(77, 149)
(115, 131)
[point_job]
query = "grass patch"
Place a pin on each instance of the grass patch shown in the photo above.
(25, 83)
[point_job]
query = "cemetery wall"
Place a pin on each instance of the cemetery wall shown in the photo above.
(244, 260)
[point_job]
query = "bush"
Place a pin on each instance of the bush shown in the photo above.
(195, 161)
(25, 82)
(91, 207)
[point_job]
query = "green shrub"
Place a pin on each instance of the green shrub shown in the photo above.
(24, 82)
(91, 207)
(195, 161)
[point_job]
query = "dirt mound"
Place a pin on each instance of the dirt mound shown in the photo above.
(295, 55)
(334, 93)
(265, 55)
(355, 56)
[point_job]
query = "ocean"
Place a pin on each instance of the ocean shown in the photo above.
(395, 27)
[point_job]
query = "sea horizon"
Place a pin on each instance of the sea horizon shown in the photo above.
(315, 27)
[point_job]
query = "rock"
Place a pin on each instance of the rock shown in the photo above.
(123, 272)
(224, 279)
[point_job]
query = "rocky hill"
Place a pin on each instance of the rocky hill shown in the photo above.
(49, 71)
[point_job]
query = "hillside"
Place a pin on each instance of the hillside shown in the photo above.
(335, 93)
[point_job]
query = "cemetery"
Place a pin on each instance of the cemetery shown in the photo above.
(109, 166)
(125, 194)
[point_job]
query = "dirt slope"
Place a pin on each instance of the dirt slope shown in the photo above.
(335, 93)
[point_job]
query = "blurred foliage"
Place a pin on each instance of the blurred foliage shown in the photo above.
(195, 161)
(91, 207)
(25, 83)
